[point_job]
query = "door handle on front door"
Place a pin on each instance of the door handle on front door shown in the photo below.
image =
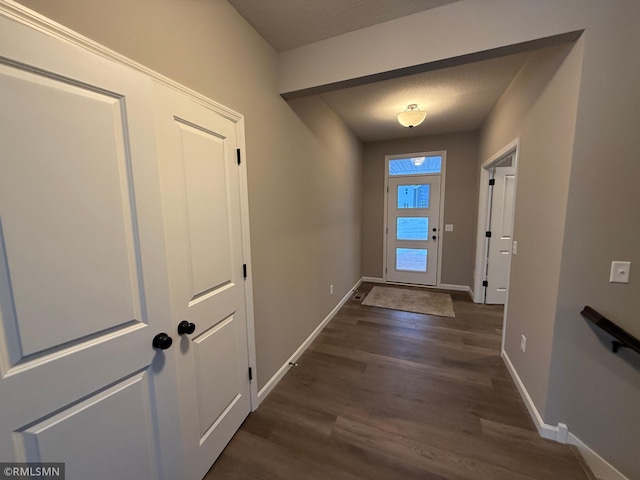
(186, 327)
(162, 341)
(434, 237)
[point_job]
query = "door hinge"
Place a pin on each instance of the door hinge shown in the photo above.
(387, 230)
(485, 284)
(385, 269)
(492, 181)
(244, 270)
(488, 234)
(387, 188)
(250, 374)
(239, 156)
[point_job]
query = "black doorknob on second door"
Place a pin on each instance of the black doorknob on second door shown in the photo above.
(162, 341)
(186, 327)
(434, 237)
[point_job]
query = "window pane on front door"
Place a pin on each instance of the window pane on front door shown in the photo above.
(411, 259)
(415, 165)
(413, 196)
(412, 228)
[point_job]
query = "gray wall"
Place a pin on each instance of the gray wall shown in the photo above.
(460, 205)
(594, 391)
(304, 176)
(540, 108)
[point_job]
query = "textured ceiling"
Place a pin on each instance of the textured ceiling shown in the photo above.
(288, 24)
(455, 99)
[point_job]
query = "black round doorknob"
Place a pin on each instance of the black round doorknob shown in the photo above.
(162, 341)
(434, 237)
(186, 327)
(435, 229)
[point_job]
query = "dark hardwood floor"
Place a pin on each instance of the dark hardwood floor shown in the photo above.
(383, 394)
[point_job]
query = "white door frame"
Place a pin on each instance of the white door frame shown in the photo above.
(25, 16)
(443, 174)
(482, 245)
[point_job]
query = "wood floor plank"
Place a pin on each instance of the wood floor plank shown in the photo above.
(385, 395)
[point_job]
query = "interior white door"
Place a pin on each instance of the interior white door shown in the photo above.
(413, 219)
(501, 227)
(201, 186)
(82, 276)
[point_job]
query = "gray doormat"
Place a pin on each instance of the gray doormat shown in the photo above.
(418, 301)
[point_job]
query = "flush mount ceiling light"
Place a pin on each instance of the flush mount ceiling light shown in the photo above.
(412, 116)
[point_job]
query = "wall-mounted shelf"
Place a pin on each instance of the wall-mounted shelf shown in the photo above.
(623, 339)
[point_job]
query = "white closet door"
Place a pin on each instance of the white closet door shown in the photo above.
(201, 189)
(83, 283)
(499, 259)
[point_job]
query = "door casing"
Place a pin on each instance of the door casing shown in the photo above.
(512, 147)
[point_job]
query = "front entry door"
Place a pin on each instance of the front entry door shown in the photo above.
(83, 287)
(413, 218)
(201, 187)
(501, 227)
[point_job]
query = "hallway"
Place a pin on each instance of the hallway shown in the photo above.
(383, 394)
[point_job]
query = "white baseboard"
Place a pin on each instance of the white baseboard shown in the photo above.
(544, 430)
(442, 286)
(373, 279)
(602, 469)
(273, 381)
(457, 288)
(598, 465)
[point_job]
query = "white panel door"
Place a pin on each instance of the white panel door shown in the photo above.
(82, 273)
(499, 256)
(201, 187)
(413, 218)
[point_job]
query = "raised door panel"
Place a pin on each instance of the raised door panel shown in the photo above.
(115, 422)
(66, 203)
(218, 387)
(207, 212)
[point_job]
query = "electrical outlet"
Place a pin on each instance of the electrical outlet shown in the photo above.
(330, 289)
(523, 344)
(514, 247)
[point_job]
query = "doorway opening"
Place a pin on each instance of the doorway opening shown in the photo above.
(414, 200)
(496, 214)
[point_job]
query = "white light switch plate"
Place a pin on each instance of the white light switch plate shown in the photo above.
(448, 227)
(620, 272)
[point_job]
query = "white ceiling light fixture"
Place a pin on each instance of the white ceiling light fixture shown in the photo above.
(412, 116)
